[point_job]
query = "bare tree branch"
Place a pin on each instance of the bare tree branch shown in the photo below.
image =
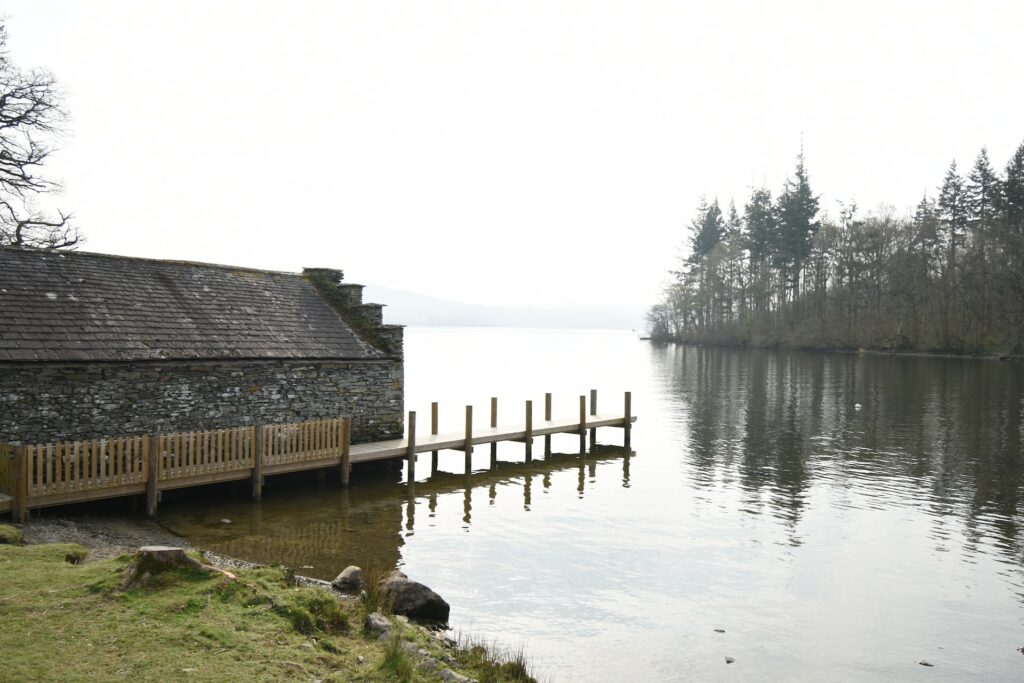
(31, 115)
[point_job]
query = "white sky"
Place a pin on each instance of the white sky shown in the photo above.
(501, 152)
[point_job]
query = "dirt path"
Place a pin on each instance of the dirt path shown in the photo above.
(105, 537)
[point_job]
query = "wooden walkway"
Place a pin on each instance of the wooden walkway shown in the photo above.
(71, 472)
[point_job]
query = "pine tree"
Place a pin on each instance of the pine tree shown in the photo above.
(953, 213)
(797, 211)
(708, 230)
(981, 193)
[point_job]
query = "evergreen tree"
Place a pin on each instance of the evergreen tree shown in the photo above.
(708, 230)
(953, 213)
(981, 193)
(797, 211)
(1011, 199)
(761, 226)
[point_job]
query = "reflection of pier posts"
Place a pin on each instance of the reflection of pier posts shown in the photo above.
(467, 502)
(581, 479)
(492, 492)
(432, 502)
(410, 505)
(625, 470)
(527, 483)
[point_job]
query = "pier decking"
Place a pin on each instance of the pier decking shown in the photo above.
(70, 472)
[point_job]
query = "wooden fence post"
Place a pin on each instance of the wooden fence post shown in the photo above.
(346, 458)
(469, 439)
(629, 420)
(593, 413)
(529, 431)
(494, 424)
(547, 418)
(410, 455)
(19, 485)
(433, 432)
(583, 425)
(152, 476)
(257, 463)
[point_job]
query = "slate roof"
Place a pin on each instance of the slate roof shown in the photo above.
(76, 306)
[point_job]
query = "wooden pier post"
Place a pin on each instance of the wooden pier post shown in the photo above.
(593, 412)
(152, 474)
(628, 425)
(257, 464)
(583, 425)
(547, 418)
(19, 485)
(529, 431)
(346, 460)
(410, 454)
(469, 439)
(494, 424)
(433, 432)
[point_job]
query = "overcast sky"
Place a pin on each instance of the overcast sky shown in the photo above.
(523, 153)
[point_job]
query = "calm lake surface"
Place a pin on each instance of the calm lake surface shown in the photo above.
(829, 543)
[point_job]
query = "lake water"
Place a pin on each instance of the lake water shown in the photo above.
(827, 542)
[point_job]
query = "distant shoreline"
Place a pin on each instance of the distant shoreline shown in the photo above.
(992, 355)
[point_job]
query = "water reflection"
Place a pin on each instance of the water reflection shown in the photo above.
(939, 434)
(322, 529)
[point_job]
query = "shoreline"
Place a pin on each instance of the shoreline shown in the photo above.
(109, 537)
(946, 355)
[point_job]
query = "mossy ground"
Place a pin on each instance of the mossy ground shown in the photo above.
(70, 622)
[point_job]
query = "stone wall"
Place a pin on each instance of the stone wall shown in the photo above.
(41, 402)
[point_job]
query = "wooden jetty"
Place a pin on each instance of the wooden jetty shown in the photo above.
(66, 472)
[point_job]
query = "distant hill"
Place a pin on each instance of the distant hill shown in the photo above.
(410, 308)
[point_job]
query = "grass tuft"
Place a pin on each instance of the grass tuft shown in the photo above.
(374, 599)
(493, 663)
(10, 535)
(75, 554)
(397, 662)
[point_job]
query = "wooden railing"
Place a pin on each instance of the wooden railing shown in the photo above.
(73, 471)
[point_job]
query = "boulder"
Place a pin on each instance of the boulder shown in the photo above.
(350, 580)
(377, 623)
(414, 600)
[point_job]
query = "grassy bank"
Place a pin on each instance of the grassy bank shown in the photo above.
(63, 619)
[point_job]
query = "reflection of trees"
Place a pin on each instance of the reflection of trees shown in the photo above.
(329, 528)
(936, 432)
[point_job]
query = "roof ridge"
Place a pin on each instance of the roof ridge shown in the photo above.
(178, 262)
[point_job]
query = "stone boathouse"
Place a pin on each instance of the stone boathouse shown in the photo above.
(94, 345)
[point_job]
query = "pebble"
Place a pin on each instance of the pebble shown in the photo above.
(729, 660)
(360, 659)
(924, 663)
(225, 521)
(719, 630)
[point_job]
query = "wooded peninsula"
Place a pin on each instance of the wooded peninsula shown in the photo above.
(782, 272)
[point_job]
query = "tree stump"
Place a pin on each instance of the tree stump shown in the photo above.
(151, 560)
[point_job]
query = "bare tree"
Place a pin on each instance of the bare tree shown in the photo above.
(30, 118)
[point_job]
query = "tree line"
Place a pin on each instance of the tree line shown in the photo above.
(782, 272)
